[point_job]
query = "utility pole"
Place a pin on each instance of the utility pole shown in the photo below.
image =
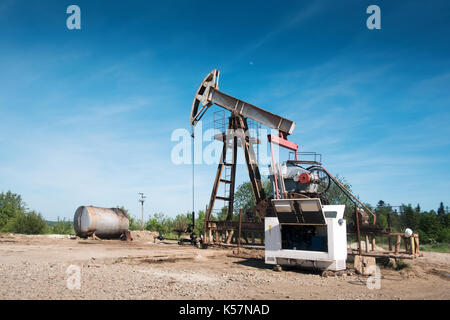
(141, 200)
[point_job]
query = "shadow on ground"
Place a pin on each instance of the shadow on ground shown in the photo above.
(260, 264)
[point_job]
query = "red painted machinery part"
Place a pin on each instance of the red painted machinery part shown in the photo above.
(304, 178)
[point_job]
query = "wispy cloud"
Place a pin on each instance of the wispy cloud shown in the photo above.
(93, 113)
(301, 15)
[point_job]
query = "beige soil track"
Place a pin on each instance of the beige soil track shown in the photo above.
(34, 267)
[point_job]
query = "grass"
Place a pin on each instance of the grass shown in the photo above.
(437, 247)
(400, 264)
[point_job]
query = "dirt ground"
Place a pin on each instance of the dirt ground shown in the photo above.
(47, 267)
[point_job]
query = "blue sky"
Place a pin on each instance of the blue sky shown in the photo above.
(86, 115)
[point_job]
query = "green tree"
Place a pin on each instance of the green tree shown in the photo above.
(410, 218)
(382, 211)
(441, 209)
(222, 214)
(443, 215)
(418, 209)
(444, 235)
(160, 223)
(27, 223)
(199, 223)
(268, 189)
(382, 221)
(181, 223)
(134, 224)
(11, 204)
(336, 196)
(244, 198)
(429, 227)
(62, 227)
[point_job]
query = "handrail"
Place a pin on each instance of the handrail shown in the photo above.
(350, 195)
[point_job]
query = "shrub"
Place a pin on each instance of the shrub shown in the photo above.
(444, 235)
(27, 223)
(62, 227)
(11, 204)
(135, 224)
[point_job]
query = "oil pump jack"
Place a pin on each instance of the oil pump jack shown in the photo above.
(236, 135)
(300, 226)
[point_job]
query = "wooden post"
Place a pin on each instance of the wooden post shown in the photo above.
(357, 229)
(397, 245)
(240, 227)
(416, 239)
(367, 243)
(374, 245)
(389, 228)
(230, 236)
(205, 238)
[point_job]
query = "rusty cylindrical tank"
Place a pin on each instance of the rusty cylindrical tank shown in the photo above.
(105, 223)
